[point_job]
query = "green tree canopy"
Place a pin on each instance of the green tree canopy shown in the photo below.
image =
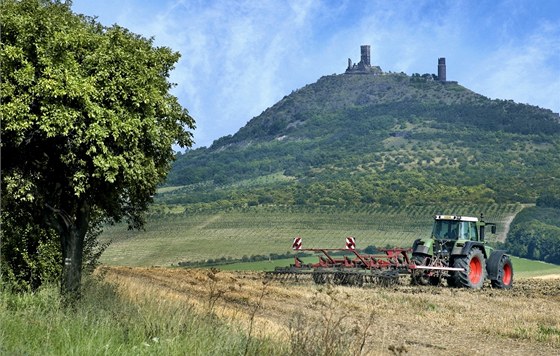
(88, 122)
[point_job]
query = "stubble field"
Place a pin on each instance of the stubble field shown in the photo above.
(373, 320)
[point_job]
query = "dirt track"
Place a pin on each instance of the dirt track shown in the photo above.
(400, 319)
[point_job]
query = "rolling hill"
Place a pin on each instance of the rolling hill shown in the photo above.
(384, 139)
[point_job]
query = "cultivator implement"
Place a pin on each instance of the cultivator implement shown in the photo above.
(348, 266)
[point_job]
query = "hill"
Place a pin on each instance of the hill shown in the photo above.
(388, 139)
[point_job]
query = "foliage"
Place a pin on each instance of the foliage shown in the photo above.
(31, 259)
(549, 199)
(535, 234)
(87, 124)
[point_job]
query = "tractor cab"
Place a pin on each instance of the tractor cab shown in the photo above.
(451, 227)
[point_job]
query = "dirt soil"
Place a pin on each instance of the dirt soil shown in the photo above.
(371, 320)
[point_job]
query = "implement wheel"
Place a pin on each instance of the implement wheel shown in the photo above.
(320, 277)
(504, 276)
(474, 274)
(420, 277)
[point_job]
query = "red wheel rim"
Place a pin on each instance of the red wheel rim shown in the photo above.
(506, 278)
(475, 270)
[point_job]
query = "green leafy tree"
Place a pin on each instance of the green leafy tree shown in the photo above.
(88, 123)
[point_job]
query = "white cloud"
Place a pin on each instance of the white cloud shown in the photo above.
(240, 57)
(525, 71)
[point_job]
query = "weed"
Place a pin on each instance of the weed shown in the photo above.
(256, 307)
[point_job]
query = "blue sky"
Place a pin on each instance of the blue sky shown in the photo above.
(241, 57)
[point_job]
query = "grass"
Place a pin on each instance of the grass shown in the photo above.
(163, 311)
(317, 320)
(106, 323)
(171, 238)
(530, 268)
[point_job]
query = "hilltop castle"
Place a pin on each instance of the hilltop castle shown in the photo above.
(365, 67)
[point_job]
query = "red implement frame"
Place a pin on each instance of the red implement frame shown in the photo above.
(396, 258)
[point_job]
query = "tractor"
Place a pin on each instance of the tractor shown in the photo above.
(457, 252)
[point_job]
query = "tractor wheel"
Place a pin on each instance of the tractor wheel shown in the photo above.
(420, 277)
(504, 277)
(474, 273)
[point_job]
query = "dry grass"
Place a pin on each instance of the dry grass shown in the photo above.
(370, 320)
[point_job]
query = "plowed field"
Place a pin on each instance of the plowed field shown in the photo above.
(374, 320)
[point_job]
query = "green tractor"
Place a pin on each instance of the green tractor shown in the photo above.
(456, 252)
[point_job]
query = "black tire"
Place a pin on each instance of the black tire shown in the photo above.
(504, 275)
(420, 277)
(474, 274)
(451, 282)
(435, 280)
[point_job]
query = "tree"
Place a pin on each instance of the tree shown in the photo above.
(88, 123)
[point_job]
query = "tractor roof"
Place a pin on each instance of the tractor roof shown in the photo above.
(455, 217)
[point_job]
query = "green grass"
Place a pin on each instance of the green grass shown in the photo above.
(528, 268)
(172, 238)
(103, 323)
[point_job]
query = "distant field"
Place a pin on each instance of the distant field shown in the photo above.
(175, 237)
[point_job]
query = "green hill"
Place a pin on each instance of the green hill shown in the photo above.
(390, 139)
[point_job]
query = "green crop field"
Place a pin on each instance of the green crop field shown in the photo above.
(176, 237)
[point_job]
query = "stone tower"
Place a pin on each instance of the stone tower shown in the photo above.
(441, 70)
(364, 66)
(366, 58)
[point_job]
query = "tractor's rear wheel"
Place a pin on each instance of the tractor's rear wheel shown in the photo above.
(504, 277)
(474, 270)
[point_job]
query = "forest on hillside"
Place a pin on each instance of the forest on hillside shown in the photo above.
(400, 161)
(535, 232)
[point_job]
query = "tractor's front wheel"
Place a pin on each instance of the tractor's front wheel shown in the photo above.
(474, 270)
(504, 275)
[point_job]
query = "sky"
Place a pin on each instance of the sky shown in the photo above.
(239, 58)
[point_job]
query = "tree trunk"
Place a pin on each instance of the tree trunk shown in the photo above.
(72, 234)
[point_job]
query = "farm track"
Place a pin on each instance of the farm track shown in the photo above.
(401, 319)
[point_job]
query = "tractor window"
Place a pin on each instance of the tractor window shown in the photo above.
(446, 229)
(473, 231)
(464, 233)
(467, 231)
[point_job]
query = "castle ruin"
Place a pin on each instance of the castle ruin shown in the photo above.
(364, 66)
